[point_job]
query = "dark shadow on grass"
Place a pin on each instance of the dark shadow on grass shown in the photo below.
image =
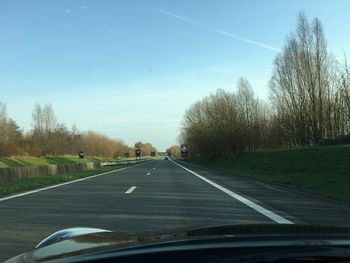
(58, 160)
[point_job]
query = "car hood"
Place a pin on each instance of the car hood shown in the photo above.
(105, 241)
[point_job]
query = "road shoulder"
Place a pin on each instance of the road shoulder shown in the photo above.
(306, 208)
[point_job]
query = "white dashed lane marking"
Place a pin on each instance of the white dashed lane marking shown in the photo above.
(130, 190)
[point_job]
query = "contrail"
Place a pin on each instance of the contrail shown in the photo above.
(225, 33)
(175, 16)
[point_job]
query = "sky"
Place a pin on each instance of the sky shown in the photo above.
(129, 69)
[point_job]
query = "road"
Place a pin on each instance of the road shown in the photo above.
(154, 196)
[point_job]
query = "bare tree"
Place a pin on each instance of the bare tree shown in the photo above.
(37, 123)
(11, 136)
(49, 120)
(300, 85)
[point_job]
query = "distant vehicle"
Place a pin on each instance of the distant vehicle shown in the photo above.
(166, 158)
(226, 243)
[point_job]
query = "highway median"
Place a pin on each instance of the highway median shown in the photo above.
(32, 183)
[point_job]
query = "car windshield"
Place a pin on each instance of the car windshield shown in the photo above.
(146, 117)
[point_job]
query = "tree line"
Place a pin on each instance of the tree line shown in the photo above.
(50, 137)
(174, 151)
(309, 103)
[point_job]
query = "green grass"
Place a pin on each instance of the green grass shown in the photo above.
(323, 170)
(41, 181)
(18, 161)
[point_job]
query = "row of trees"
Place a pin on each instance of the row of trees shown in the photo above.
(227, 123)
(146, 148)
(49, 137)
(309, 102)
(174, 151)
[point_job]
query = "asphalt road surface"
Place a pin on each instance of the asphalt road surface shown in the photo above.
(156, 196)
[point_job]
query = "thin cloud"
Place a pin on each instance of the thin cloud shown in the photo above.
(82, 8)
(212, 29)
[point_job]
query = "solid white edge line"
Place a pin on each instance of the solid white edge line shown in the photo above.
(62, 184)
(273, 216)
(132, 188)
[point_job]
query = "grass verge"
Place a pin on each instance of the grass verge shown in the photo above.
(42, 181)
(323, 170)
(19, 161)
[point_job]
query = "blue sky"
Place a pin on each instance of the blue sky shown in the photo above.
(129, 69)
